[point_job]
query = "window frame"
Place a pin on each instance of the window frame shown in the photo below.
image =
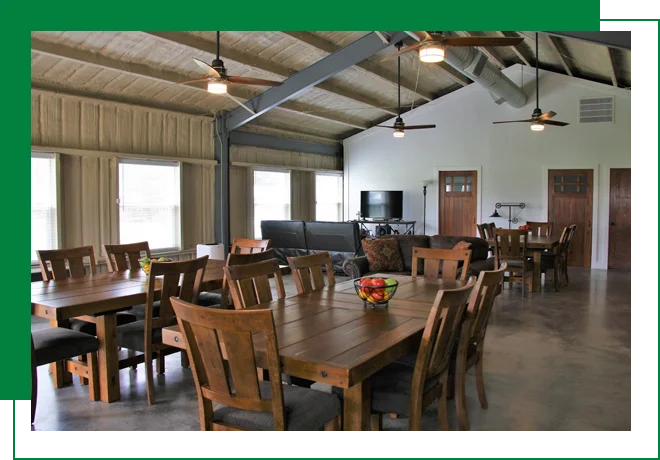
(340, 174)
(251, 192)
(58, 196)
(154, 162)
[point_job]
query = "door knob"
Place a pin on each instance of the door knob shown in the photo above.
(612, 224)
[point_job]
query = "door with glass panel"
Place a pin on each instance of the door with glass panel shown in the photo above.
(457, 202)
(272, 197)
(570, 198)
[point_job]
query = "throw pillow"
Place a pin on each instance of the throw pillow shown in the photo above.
(383, 254)
(462, 245)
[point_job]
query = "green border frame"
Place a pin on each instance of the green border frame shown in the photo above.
(22, 17)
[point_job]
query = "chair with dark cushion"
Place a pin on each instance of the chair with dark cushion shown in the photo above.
(248, 246)
(181, 279)
(442, 261)
(60, 344)
(120, 257)
(404, 390)
(245, 402)
(554, 261)
(540, 228)
(249, 285)
(511, 247)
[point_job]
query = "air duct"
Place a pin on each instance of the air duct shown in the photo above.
(475, 65)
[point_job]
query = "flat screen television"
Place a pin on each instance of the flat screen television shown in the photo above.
(381, 204)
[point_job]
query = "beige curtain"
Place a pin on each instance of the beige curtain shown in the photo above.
(198, 190)
(240, 194)
(303, 195)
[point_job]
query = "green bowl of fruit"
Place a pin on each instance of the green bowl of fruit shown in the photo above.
(376, 291)
(145, 263)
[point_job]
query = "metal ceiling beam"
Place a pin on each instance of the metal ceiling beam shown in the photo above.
(366, 66)
(487, 50)
(318, 72)
(144, 71)
(262, 65)
(552, 44)
(516, 49)
(260, 127)
(454, 74)
(612, 39)
(279, 143)
(610, 59)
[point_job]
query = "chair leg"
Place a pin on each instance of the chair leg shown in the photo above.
(555, 277)
(185, 363)
(376, 422)
(443, 418)
(160, 363)
(149, 375)
(93, 370)
(83, 380)
(459, 391)
(333, 425)
(479, 374)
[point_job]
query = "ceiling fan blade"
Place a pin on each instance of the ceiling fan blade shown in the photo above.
(418, 127)
(547, 115)
(210, 71)
(555, 123)
(384, 126)
(192, 81)
(404, 50)
(422, 35)
(482, 41)
(253, 81)
(514, 121)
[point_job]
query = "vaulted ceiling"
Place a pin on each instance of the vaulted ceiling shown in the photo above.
(142, 68)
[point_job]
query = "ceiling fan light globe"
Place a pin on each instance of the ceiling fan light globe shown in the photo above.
(432, 53)
(217, 87)
(537, 126)
(398, 133)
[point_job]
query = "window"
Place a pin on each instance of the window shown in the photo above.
(272, 197)
(329, 197)
(43, 180)
(150, 203)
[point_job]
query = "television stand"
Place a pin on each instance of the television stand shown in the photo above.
(409, 225)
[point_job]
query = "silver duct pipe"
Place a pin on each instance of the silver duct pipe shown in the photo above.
(475, 65)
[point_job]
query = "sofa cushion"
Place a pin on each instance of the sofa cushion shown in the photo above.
(478, 266)
(478, 246)
(383, 254)
(406, 245)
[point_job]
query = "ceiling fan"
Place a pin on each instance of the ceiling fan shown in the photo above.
(218, 80)
(539, 119)
(432, 45)
(399, 126)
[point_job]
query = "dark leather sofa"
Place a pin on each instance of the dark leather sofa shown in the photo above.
(358, 267)
(292, 238)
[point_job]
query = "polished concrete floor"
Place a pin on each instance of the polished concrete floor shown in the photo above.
(554, 361)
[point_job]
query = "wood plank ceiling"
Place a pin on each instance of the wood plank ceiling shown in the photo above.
(142, 68)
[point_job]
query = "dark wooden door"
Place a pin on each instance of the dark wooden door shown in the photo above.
(457, 211)
(570, 198)
(619, 240)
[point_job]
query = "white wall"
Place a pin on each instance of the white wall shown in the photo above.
(511, 159)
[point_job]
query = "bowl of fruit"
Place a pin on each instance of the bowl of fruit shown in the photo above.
(374, 291)
(145, 263)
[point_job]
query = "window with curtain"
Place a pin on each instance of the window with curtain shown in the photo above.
(329, 197)
(150, 203)
(272, 197)
(43, 180)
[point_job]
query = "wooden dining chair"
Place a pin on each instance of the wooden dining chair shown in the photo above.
(223, 298)
(120, 257)
(222, 343)
(57, 344)
(470, 348)
(555, 260)
(249, 284)
(511, 247)
(181, 279)
(307, 271)
(248, 246)
(540, 228)
(568, 250)
(60, 264)
(403, 390)
(482, 228)
(447, 259)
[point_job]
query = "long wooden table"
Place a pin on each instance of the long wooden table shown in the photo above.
(535, 246)
(97, 298)
(329, 336)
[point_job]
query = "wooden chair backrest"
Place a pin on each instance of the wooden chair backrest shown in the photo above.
(449, 258)
(571, 234)
(248, 246)
(483, 229)
(242, 259)
(120, 257)
(249, 285)
(510, 244)
(220, 345)
(540, 228)
(59, 259)
(491, 227)
(562, 247)
(308, 273)
(438, 340)
(180, 279)
(481, 301)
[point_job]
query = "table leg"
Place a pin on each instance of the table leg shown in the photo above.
(58, 369)
(357, 407)
(106, 331)
(536, 279)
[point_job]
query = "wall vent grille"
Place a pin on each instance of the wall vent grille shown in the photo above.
(597, 110)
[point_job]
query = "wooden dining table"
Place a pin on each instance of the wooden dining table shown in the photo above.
(97, 298)
(535, 246)
(330, 336)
